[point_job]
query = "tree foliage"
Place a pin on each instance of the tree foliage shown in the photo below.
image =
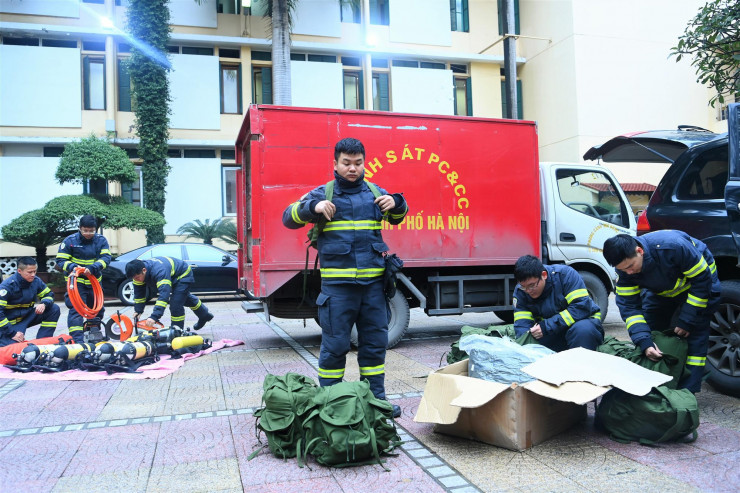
(92, 158)
(229, 234)
(207, 231)
(148, 24)
(712, 40)
(37, 230)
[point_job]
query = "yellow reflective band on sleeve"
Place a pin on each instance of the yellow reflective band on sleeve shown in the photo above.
(104, 251)
(713, 268)
(294, 213)
(66, 264)
(4, 322)
(681, 285)
(63, 255)
(523, 316)
(177, 319)
(164, 281)
(567, 317)
(635, 319)
(697, 269)
(352, 225)
(43, 292)
(172, 263)
(372, 370)
(139, 300)
(327, 373)
(573, 295)
(187, 271)
(3, 303)
(596, 315)
(102, 263)
(696, 361)
(161, 303)
(628, 290)
(696, 301)
(138, 283)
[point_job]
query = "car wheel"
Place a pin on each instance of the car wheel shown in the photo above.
(723, 356)
(126, 292)
(597, 291)
(397, 325)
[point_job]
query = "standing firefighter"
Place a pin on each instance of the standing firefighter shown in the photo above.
(26, 301)
(171, 279)
(659, 273)
(351, 251)
(83, 249)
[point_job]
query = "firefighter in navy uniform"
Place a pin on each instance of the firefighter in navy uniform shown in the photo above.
(83, 249)
(659, 273)
(350, 249)
(551, 302)
(171, 279)
(26, 301)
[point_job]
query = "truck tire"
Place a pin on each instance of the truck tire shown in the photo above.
(399, 322)
(723, 357)
(597, 291)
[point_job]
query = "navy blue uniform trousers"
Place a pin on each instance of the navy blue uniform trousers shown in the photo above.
(340, 307)
(51, 314)
(74, 319)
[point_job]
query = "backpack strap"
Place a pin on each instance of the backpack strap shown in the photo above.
(680, 415)
(328, 193)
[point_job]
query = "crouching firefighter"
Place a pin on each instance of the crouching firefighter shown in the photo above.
(26, 301)
(171, 279)
(659, 273)
(348, 212)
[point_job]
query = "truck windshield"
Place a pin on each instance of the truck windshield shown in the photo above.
(591, 193)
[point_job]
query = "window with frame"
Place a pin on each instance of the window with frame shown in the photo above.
(261, 84)
(380, 12)
(353, 95)
(229, 191)
(519, 103)
(381, 92)
(706, 177)
(463, 96)
(132, 192)
(592, 193)
(501, 17)
(97, 186)
(228, 6)
(459, 15)
(125, 86)
(231, 88)
(93, 82)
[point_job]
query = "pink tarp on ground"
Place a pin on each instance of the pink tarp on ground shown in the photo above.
(165, 366)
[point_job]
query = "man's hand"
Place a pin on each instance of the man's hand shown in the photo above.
(19, 337)
(385, 202)
(653, 353)
(681, 332)
(326, 208)
(87, 271)
(40, 308)
(150, 322)
(536, 331)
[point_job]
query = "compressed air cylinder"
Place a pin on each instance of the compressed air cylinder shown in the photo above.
(68, 352)
(104, 351)
(136, 350)
(32, 352)
(187, 341)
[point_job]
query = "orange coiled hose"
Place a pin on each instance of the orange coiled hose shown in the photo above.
(74, 294)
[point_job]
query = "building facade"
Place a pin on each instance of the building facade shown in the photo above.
(587, 70)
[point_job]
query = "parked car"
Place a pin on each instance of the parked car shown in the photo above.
(215, 270)
(694, 196)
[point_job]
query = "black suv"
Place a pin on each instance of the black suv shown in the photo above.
(699, 194)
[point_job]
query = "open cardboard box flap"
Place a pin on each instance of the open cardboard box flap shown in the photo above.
(604, 370)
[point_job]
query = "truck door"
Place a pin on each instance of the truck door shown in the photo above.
(589, 208)
(732, 190)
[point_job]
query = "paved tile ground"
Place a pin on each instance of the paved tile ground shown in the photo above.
(194, 430)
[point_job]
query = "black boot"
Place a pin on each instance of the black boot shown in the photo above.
(202, 321)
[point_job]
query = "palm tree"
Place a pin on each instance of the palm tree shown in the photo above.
(229, 235)
(204, 231)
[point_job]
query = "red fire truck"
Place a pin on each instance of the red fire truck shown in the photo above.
(478, 200)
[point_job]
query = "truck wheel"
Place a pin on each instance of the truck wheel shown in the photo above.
(597, 291)
(506, 315)
(399, 322)
(723, 357)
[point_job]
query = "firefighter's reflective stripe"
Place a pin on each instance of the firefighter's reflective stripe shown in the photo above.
(628, 290)
(596, 315)
(4, 322)
(82, 261)
(194, 308)
(86, 281)
(372, 370)
(138, 283)
(713, 268)
(63, 255)
(400, 216)
(327, 373)
(294, 213)
(351, 273)
(523, 316)
(697, 269)
(635, 319)
(48, 324)
(139, 300)
(681, 285)
(172, 272)
(696, 301)
(573, 295)
(164, 281)
(696, 361)
(22, 305)
(161, 303)
(75, 328)
(351, 225)
(177, 319)
(567, 317)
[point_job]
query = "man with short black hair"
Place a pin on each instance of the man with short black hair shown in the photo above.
(351, 251)
(91, 251)
(171, 279)
(26, 301)
(659, 273)
(552, 303)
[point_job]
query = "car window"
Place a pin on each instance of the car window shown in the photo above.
(706, 177)
(591, 193)
(174, 251)
(204, 253)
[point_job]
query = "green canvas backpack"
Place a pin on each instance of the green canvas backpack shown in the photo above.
(662, 415)
(285, 399)
(348, 426)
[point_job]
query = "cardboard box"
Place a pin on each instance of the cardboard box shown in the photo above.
(517, 417)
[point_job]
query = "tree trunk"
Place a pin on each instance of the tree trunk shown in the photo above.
(41, 259)
(281, 53)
